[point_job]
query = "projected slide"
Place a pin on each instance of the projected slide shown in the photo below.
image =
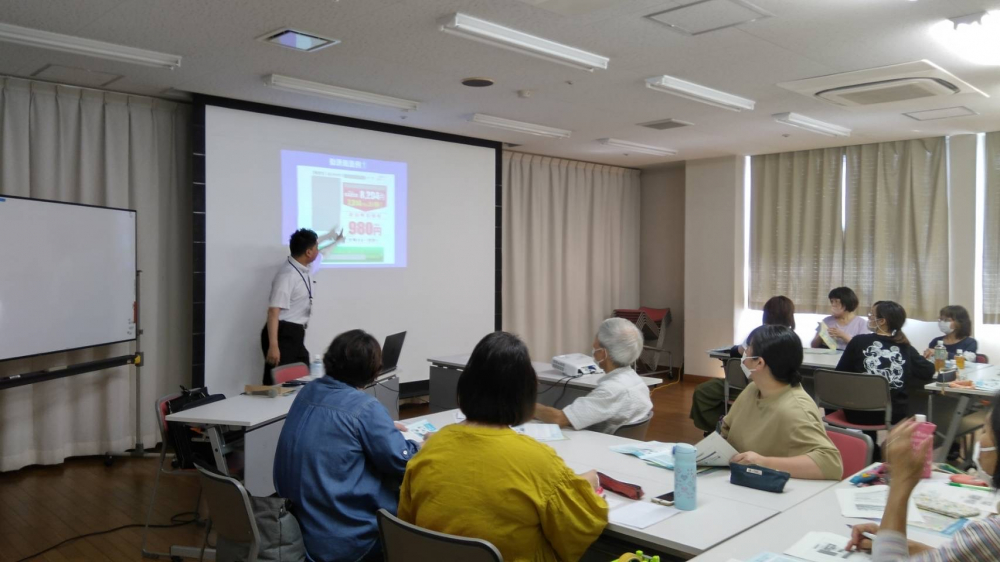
(366, 199)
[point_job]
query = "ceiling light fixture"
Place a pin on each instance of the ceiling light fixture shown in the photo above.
(636, 147)
(88, 47)
(975, 38)
(520, 126)
(810, 124)
(699, 93)
(337, 93)
(514, 40)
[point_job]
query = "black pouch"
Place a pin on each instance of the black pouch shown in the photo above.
(758, 477)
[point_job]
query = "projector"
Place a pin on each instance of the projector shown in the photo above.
(575, 365)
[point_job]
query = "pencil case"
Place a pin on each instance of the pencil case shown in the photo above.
(631, 491)
(758, 477)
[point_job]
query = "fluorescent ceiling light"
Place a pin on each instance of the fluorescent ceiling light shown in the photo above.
(520, 126)
(335, 92)
(514, 40)
(810, 124)
(699, 93)
(975, 38)
(87, 47)
(636, 147)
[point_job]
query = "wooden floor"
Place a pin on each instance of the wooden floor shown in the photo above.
(42, 506)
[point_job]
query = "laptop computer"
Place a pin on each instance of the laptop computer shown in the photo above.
(390, 353)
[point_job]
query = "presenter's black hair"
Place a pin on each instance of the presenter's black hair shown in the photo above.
(781, 350)
(301, 240)
(498, 385)
(846, 296)
(354, 358)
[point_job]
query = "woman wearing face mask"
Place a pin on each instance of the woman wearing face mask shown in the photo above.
(843, 324)
(978, 541)
(709, 402)
(887, 353)
(955, 324)
(774, 423)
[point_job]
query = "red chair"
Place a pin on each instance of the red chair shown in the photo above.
(289, 372)
(852, 391)
(855, 448)
(980, 358)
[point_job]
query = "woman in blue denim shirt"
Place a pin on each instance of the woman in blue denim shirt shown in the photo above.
(340, 457)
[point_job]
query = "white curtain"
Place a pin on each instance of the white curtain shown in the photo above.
(991, 232)
(796, 241)
(570, 249)
(87, 146)
(896, 240)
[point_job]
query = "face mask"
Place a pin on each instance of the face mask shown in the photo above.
(944, 326)
(594, 356)
(982, 474)
(746, 370)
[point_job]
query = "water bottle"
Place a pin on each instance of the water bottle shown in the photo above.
(959, 359)
(316, 369)
(685, 477)
(923, 432)
(940, 356)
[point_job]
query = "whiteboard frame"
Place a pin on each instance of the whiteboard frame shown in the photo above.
(135, 273)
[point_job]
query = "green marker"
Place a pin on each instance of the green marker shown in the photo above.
(981, 488)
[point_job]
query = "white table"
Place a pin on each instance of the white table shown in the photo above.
(724, 510)
(262, 419)
(554, 388)
(819, 513)
(973, 372)
(812, 358)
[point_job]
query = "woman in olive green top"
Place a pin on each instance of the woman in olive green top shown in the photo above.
(774, 423)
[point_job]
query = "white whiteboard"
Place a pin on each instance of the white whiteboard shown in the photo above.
(67, 276)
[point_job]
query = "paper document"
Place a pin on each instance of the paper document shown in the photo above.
(419, 430)
(771, 557)
(824, 334)
(459, 416)
(653, 452)
(940, 490)
(938, 523)
(869, 503)
(540, 431)
(824, 547)
(641, 514)
(714, 450)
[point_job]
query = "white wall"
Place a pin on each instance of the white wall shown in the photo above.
(661, 253)
(713, 259)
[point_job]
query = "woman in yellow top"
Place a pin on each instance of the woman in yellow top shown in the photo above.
(774, 423)
(480, 479)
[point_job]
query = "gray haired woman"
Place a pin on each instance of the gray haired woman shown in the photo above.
(620, 398)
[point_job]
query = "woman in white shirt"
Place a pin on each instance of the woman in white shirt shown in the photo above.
(620, 397)
(843, 324)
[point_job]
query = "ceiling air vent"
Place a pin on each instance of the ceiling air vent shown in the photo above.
(889, 84)
(664, 124)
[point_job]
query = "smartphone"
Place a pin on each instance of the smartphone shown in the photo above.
(666, 499)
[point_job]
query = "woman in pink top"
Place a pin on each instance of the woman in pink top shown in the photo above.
(843, 323)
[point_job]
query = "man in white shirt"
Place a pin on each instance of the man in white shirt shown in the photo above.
(620, 398)
(290, 304)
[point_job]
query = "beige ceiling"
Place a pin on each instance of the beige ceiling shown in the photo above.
(393, 47)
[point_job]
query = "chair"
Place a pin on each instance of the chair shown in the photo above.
(652, 322)
(735, 380)
(161, 418)
(636, 430)
(230, 512)
(289, 372)
(403, 542)
(853, 391)
(855, 448)
(981, 358)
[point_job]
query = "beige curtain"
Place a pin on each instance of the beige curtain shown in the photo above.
(98, 148)
(991, 232)
(796, 242)
(896, 240)
(570, 249)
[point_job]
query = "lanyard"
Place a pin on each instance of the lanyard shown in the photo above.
(308, 288)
